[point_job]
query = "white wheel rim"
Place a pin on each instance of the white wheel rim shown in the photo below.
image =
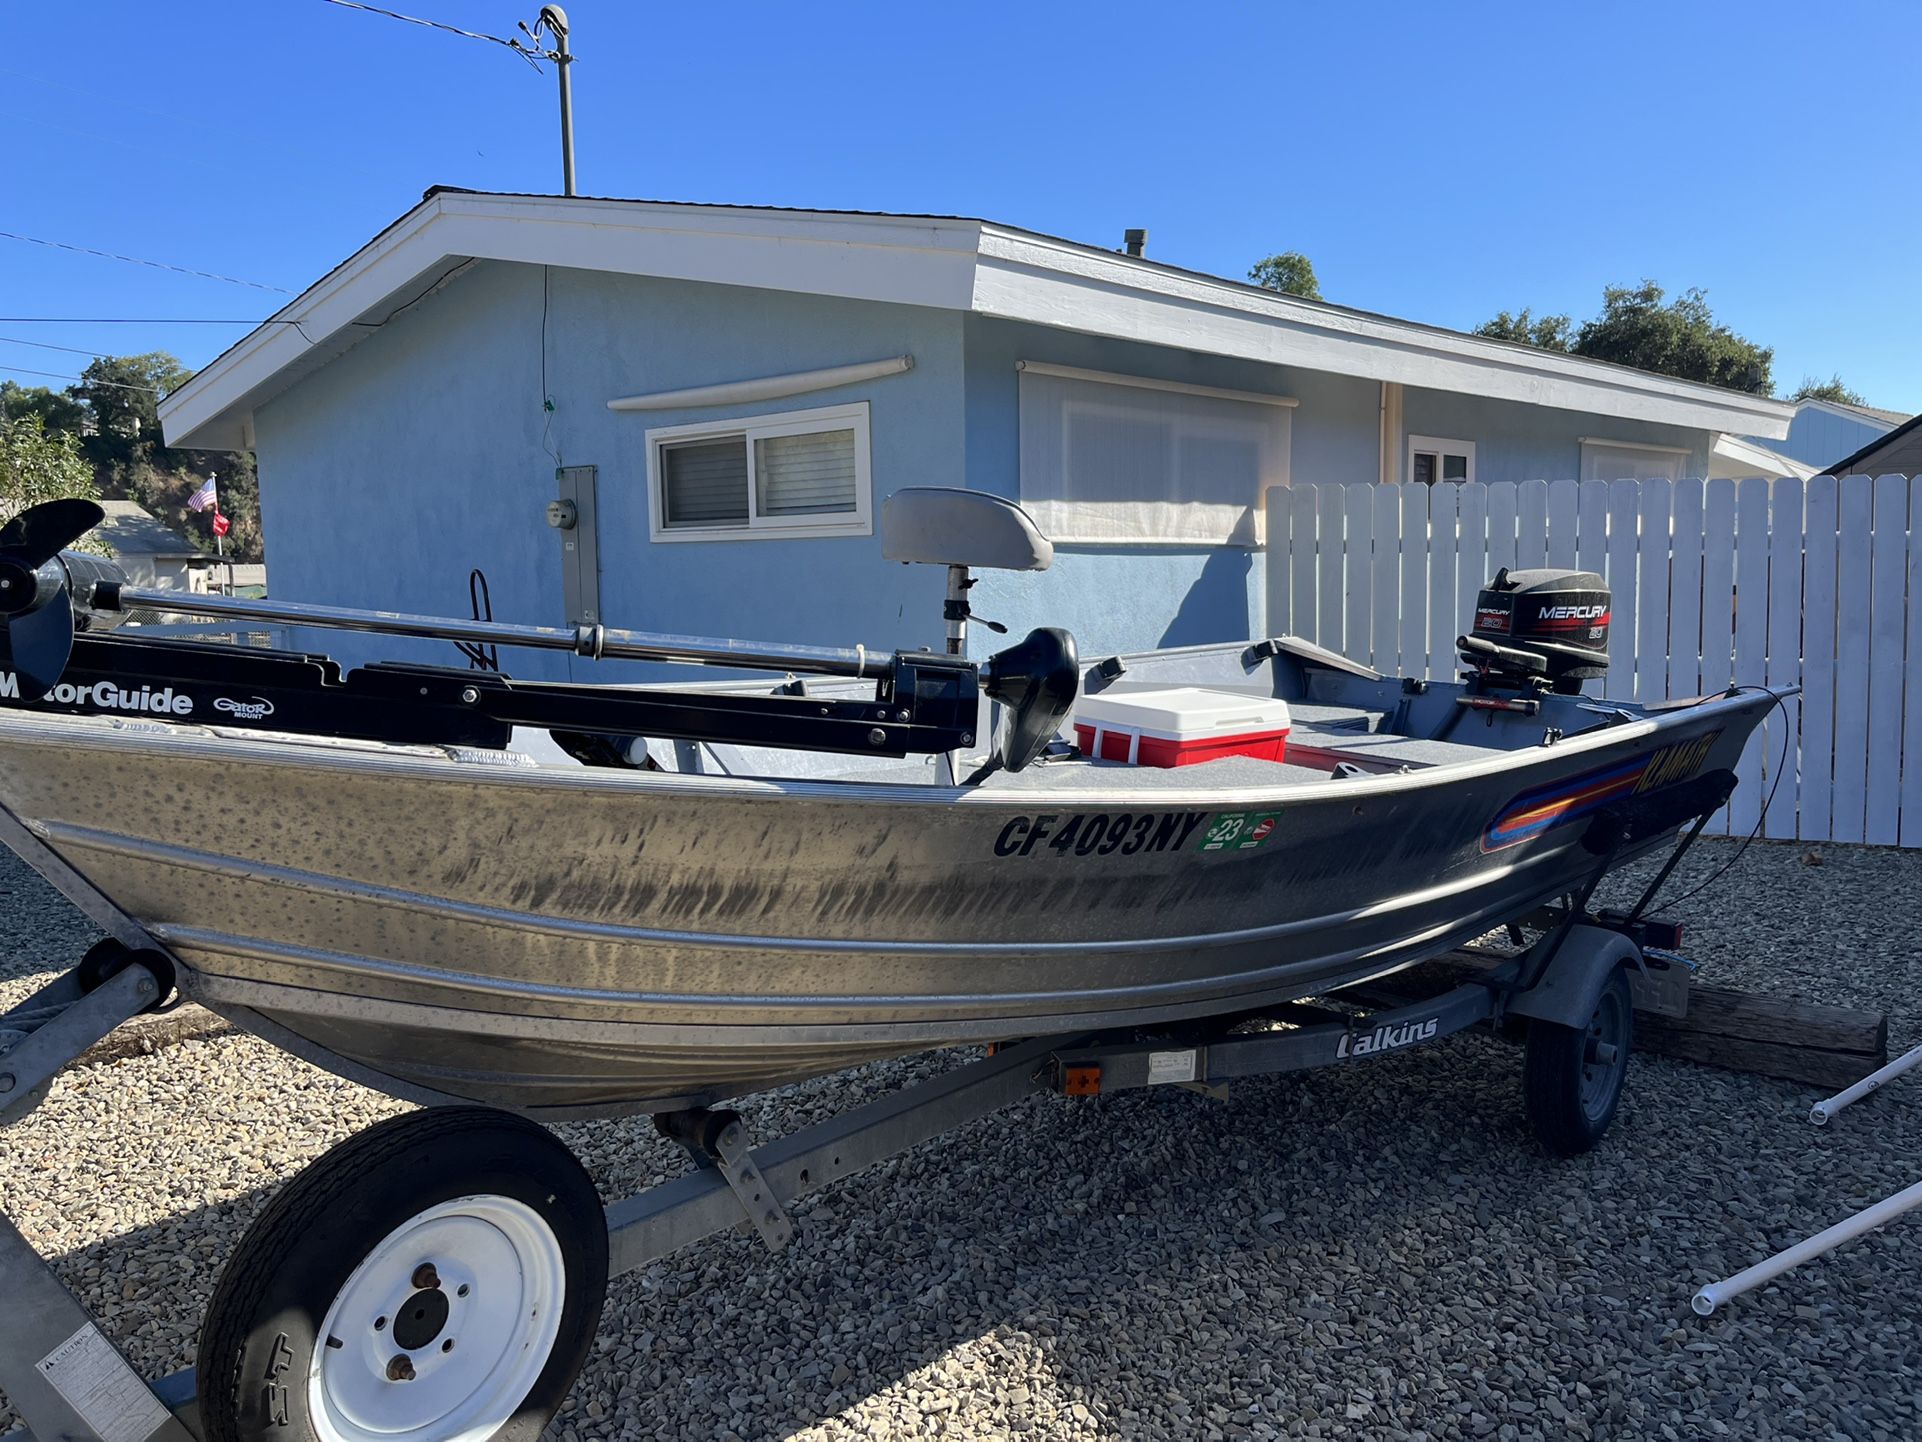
(502, 1281)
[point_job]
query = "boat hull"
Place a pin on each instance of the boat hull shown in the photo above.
(580, 941)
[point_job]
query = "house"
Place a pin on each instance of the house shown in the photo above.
(152, 554)
(684, 418)
(1899, 453)
(1822, 430)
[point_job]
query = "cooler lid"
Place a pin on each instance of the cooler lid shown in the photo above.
(1184, 711)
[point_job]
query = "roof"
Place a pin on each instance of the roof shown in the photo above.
(130, 530)
(1874, 415)
(1749, 459)
(947, 262)
(1906, 438)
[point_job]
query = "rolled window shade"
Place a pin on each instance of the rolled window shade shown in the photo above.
(1104, 462)
(704, 483)
(804, 475)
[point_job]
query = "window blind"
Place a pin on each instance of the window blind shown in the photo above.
(704, 483)
(1114, 463)
(1619, 463)
(804, 475)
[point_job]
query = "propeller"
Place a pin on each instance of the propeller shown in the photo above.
(1037, 679)
(41, 532)
(36, 605)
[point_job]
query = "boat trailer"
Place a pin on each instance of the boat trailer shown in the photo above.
(1570, 987)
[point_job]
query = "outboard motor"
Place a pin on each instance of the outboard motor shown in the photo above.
(1539, 631)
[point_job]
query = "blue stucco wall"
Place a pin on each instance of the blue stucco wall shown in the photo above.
(1532, 443)
(1821, 438)
(424, 451)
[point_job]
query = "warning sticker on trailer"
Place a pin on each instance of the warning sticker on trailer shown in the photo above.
(1166, 1068)
(103, 1391)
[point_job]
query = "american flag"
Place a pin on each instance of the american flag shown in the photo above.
(205, 498)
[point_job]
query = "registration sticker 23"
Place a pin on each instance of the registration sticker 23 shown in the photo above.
(1239, 830)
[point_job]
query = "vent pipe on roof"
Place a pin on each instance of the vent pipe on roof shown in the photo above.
(1134, 242)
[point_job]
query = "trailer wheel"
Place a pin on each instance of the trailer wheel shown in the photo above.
(1572, 1076)
(438, 1276)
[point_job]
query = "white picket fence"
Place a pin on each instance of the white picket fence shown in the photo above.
(1817, 583)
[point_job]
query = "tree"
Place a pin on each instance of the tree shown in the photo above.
(58, 410)
(39, 465)
(1635, 328)
(1290, 272)
(1680, 339)
(110, 420)
(1549, 332)
(124, 392)
(1831, 389)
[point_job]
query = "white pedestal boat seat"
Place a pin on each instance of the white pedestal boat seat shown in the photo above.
(948, 526)
(959, 529)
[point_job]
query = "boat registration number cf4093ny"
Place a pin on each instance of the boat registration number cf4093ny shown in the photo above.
(1126, 833)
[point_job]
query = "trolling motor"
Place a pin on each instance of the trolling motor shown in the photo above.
(41, 582)
(57, 605)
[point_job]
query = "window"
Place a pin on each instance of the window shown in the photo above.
(804, 473)
(1432, 459)
(1115, 459)
(1604, 460)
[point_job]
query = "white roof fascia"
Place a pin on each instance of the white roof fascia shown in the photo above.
(858, 257)
(1859, 415)
(1759, 460)
(326, 307)
(947, 264)
(920, 263)
(1024, 277)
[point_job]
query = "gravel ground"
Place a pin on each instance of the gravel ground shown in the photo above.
(1327, 1255)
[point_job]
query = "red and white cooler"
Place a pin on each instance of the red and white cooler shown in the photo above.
(1180, 726)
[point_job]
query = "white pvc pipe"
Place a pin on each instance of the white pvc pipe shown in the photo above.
(1867, 1220)
(763, 388)
(1823, 1110)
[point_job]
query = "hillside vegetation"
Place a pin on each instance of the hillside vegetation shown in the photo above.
(101, 437)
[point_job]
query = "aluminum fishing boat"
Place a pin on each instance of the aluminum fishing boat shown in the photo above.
(710, 889)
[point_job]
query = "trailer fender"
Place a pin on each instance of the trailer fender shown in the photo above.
(1568, 991)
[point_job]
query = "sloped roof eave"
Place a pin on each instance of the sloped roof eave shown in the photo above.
(946, 262)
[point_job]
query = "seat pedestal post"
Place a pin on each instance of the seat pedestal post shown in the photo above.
(956, 609)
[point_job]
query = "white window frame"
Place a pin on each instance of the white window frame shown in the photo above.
(858, 522)
(1440, 447)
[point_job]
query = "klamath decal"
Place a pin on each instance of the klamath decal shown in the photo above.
(1561, 802)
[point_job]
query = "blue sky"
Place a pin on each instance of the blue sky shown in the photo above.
(1436, 162)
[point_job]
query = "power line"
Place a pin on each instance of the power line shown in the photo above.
(98, 95)
(136, 260)
(46, 345)
(128, 320)
(50, 375)
(514, 45)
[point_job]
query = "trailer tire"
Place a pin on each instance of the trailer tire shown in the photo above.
(1572, 1075)
(338, 1317)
